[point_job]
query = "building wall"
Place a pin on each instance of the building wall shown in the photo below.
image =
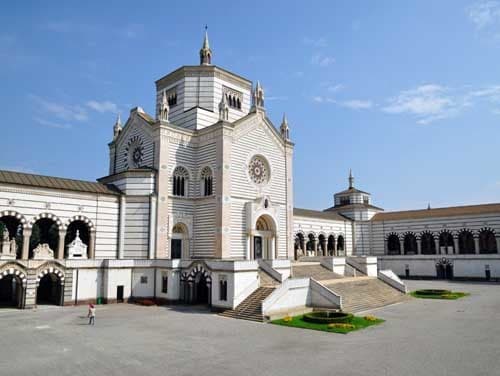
(381, 229)
(102, 210)
(134, 128)
(253, 137)
(327, 227)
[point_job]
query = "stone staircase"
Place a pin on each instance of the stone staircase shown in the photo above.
(313, 270)
(251, 307)
(365, 293)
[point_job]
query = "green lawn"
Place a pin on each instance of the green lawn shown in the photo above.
(357, 322)
(448, 296)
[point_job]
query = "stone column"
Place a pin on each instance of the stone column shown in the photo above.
(91, 249)
(26, 244)
(455, 242)
(315, 246)
(60, 245)
(498, 244)
(325, 248)
(436, 242)
(419, 246)
(401, 250)
(476, 243)
(303, 246)
(272, 247)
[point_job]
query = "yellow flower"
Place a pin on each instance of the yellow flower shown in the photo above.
(370, 318)
(340, 326)
(287, 318)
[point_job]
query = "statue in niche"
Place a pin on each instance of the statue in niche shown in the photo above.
(5, 235)
(13, 246)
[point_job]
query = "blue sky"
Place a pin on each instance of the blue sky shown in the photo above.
(406, 93)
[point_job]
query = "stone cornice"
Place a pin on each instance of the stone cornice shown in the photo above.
(202, 71)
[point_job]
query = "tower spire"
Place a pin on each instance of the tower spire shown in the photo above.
(117, 128)
(205, 52)
(351, 179)
(284, 129)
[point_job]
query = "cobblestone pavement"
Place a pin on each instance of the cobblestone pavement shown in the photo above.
(420, 337)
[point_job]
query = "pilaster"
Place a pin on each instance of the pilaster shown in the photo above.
(223, 194)
(26, 244)
(161, 163)
(289, 200)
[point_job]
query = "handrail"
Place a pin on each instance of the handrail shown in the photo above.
(270, 270)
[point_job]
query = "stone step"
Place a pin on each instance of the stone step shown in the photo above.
(251, 307)
(365, 294)
(313, 270)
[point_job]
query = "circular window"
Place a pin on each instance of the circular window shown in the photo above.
(258, 170)
(134, 152)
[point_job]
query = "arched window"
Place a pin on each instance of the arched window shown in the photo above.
(310, 243)
(428, 244)
(331, 245)
(393, 245)
(487, 241)
(340, 245)
(206, 181)
(322, 244)
(466, 243)
(410, 244)
(180, 181)
(446, 243)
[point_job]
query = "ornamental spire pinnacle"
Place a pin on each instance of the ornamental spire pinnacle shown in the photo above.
(351, 179)
(284, 129)
(205, 52)
(117, 128)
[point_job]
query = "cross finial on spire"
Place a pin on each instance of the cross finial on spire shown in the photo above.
(351, 179)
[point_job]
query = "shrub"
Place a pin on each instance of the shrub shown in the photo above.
(434, 292)
(287, 318)
(370, 318)
(326, 317)
(145, 302)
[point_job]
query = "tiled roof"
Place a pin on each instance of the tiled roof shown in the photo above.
(41, 181)
(319, 214)
(438, 212)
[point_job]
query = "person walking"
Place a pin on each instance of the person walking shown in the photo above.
(91, 314)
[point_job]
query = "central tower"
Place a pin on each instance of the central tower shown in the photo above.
(196, 93)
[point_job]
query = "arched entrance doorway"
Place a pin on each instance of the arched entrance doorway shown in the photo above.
(444, 269)
(264, 238)
(11, 291)
(50, 290)
(196, 287)
(201, 290)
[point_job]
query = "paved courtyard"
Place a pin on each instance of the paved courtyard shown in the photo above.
(420, 337)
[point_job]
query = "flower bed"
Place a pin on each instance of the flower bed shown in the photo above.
(327, 317)
(356, 323)
(438, 294)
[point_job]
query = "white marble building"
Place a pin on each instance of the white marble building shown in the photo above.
(199, 202)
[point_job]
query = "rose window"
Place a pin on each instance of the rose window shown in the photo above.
(258, 170)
